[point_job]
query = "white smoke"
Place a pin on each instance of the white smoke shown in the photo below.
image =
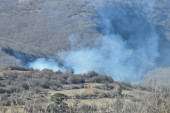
(42, 63)
(128, 48)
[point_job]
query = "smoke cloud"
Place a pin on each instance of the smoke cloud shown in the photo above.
(42, 63)
(127, 50)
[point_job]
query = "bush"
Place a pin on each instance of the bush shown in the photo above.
(25, 86)
(19, 68)
(87, 109)
(104, 95)
(2, 90)
(87, 96)
(75, 79)
(76, 87)
(101, 79)
(58, 98)
(105, 87)
(45, 84)
(58, 105)
(2, 84)
(92, 74)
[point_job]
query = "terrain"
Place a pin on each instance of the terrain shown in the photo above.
(42, 28)
(31, 29)
(24, 90)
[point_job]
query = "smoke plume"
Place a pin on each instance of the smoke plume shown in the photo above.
(42, 63)
(127, 50)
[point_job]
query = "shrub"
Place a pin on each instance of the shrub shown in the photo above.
(105, 87)
(58, 105)
(58, 98)
(2, 90)
(92, 74)
(87, 109)
(104, 95)
(45, 84)
(75, 79)
(25, 86)
(76, 87)
(19, 68)
(87, 96)
(2, 84)
(101, 79)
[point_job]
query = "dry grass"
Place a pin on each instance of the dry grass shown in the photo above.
(18, 109)
(109, 104)
(93, 91)
(107, 97)
(69, 92)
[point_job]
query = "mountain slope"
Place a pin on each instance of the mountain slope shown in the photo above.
(42, 28)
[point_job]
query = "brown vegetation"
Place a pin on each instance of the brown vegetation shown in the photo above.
(27, 90)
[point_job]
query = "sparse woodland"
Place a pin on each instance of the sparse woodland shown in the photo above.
(24, 90)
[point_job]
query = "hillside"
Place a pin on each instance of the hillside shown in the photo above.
(83, 56)
(31, 29)
(25, 90)
(41, 28)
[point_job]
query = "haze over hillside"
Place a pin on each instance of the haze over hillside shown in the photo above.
(31, 29)
(42, 28)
